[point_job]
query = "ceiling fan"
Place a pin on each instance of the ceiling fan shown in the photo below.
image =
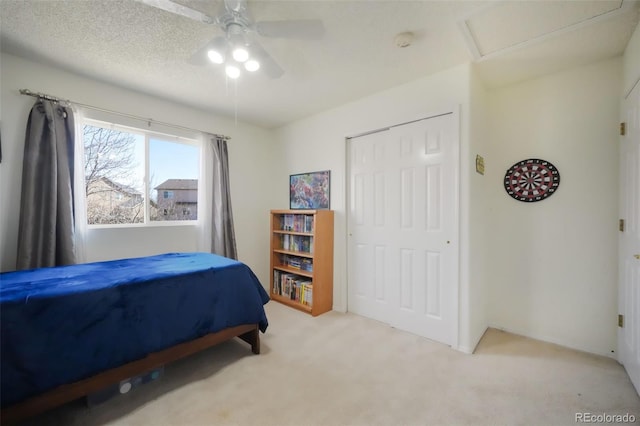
(238, 47)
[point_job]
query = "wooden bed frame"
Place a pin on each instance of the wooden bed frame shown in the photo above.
(69, 392)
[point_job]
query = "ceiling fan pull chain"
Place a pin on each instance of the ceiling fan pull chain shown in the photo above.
(235, 101)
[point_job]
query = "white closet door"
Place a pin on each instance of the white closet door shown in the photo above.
(403, 227)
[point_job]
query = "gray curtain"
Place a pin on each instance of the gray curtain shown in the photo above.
(46, 233)
(223, 238)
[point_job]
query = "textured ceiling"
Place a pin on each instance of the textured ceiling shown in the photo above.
(501, 26)
(135, 46)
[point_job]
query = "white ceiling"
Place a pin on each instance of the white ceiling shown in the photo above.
(138, 47)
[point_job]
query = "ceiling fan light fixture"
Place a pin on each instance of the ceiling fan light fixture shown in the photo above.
(252, 65)
(232, 71)
(240, 54)
(215, 56)
(239, 27)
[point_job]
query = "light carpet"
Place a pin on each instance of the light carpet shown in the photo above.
(343, 369)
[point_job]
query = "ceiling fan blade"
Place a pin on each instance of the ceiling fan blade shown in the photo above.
(200, 57)
(308, 29)
(179, 9)
(268, 65)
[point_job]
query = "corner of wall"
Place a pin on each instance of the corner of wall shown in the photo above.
(631, 62)
(473, 343)
(474, 321)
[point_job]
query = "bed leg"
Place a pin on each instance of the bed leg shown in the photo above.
(253, 338)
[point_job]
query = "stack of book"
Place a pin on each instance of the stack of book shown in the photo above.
(296, 223)
(297, 243)
(293, 287)
(295, 262)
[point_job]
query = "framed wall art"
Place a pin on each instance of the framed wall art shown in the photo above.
(310, 190)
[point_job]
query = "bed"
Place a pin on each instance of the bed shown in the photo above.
(72, 330)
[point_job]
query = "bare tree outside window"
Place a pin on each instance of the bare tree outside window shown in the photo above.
(110, 167)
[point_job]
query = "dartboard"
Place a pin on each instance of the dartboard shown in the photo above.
(531, 180)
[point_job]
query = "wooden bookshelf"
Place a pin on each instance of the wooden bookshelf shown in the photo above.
(302, 259)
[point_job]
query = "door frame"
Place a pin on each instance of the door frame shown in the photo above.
(630, 365)
(460, 238)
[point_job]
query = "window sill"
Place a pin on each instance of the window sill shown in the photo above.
(158, 224)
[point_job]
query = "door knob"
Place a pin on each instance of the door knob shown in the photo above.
(637, 256)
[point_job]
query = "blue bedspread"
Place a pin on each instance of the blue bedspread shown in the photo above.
(60, 325)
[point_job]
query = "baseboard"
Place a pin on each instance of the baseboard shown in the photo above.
(558, 342)
(471, 349)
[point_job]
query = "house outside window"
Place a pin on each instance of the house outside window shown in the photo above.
(183, 202)
(116, 161)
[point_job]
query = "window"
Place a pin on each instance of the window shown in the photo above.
(173, 171)
(116, 161)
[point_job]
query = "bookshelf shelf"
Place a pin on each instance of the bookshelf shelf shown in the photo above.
(294, 271)
(302, 259)
(306, 234)
(291, 303)
(294, 253)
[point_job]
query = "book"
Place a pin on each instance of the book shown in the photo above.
(294, 263)
(306, 265)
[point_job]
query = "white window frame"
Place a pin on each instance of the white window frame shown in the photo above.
(147, 135)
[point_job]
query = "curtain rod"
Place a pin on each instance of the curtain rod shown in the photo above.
(28, 92)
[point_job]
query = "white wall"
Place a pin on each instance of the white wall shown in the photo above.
(553, 264)
(250, 157)
(318, 143)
